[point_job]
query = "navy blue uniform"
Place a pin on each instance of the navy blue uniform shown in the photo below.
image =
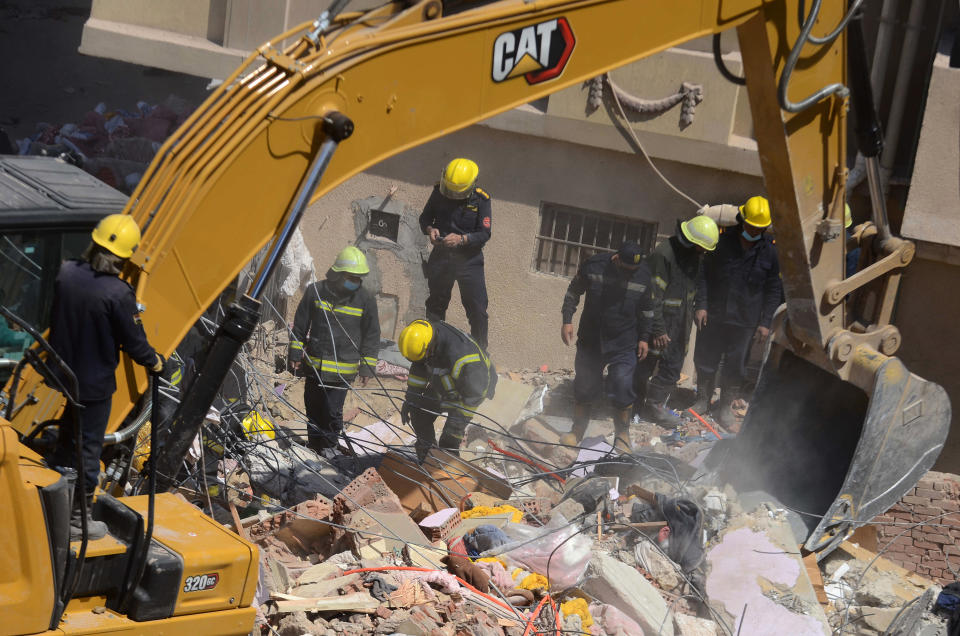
(455, 376)
(617, 315)
(740, 290)
(464, 263)
(94, 315)
(676, 271)
(340, 332)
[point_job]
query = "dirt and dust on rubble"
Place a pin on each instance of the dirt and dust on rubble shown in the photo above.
(520, 534)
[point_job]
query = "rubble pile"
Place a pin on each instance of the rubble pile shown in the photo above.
(113, 144)
(521, 535)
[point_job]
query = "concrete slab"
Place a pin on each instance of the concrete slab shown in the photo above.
(757, 563)
(616, 583)
(507, 404)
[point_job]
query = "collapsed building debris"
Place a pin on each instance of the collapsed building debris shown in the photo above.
(521, 534)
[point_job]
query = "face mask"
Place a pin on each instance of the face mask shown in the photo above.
(350, 285)
(752, 239)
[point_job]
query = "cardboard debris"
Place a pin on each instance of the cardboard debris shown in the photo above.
(442, 481)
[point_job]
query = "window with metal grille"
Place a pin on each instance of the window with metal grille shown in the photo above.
(568, 236)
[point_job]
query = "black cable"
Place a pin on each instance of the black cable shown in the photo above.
(722, 66)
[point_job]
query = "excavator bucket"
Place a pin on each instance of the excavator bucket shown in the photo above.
(830, 451)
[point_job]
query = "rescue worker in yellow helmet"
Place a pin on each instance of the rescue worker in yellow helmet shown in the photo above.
(738, 293)
(456, 218)
(450, 372)
(336, 336)
(676, 267)
(95, 315)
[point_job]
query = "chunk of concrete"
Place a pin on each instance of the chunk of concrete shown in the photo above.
(754, 562)
(692, 626)
(616, 583)
(659, 566)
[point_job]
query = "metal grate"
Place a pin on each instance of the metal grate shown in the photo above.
(568, 236)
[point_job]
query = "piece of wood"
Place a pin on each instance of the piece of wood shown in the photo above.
(356, 602)
(866, 537)
(816, 577)
(237, 525)
(647, 525)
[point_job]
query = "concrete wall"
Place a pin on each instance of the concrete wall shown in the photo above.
(927, 312)
(520, 172)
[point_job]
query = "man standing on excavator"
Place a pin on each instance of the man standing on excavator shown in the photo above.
(338, 325)
(738, 294)
(676, 267)
(456, 218)
(450, 372)
(614, 333)
(94, 315)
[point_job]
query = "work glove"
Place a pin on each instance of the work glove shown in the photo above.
(406, 412)
(157, 367)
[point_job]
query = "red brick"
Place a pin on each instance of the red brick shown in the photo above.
(910, 549)
(925, 545)
(951, 549)
(913, 559)
(927, 511)
(927, 492)
(898, 507)
(939, 538)
(934, 563)
(936, 573)
(896, 547)
(903, 516)
(913, 499)
(948, 505)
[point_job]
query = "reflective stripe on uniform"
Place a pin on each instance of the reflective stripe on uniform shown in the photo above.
(637, 287)
(662, 284)
(176, 377)
(460, 406)
(646, 314)
(673, 302)
(296, 344)
(447, 382)
(458, 365)
(343, 309)
(332, 366)
(416, 381)
(371, 361)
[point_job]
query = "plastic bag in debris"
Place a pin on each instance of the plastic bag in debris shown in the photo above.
(557, 545)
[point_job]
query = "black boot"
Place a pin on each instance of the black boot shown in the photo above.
(656, 411)
(581, 419)
(706, 383)
(452, 436)
(95, 529)
(621, 430)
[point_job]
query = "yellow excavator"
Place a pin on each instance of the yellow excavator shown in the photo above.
(839, 428)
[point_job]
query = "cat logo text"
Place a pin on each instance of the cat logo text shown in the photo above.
(537, 53)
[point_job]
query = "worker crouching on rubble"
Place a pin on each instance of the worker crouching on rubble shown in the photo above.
(94, 315)
(338, 326)
(676, 267)
(614, 333)
(738, 294)
(450, 372)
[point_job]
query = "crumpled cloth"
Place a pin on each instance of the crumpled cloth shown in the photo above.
(447, 582)
(497, 572)
(485, 537)
(379, 588)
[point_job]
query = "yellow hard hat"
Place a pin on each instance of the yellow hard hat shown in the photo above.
(458, 178)
(352, 261)
(701, 230)
(847, 217)
(415, 339)
(756, 212)
(118, 233)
